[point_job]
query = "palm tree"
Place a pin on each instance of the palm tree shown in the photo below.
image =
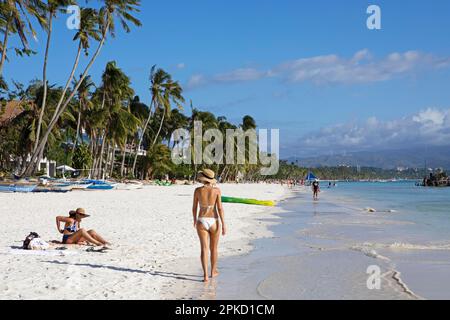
(141, 112)
(124, 124)
(176, 121)
(157, 162)
(83, 103)
(157, 78)
(89, 29)
(209, 121)
(224, 125)
(163, 91)
(248, 123)
(14, 19)
(116, 91)
(172, 93)
(52, 7)
(97, 26)
(32, 97)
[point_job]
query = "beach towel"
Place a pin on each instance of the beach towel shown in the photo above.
(38, 244)
(47, 253)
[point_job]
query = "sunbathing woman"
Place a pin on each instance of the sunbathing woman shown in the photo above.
(74, 234)
(208, 198)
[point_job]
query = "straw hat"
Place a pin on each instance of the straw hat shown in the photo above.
(206, 176)
(82, 212)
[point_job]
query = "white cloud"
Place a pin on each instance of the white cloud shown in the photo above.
(244, 74)
(234, 76)
(428, 127)
(181, 66)
(362, 67)
(195, 81)
(430, 117)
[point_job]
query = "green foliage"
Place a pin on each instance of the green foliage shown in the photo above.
(158, 162)
(82, 158)
(59, 153)
(293, 171)
(182, 172)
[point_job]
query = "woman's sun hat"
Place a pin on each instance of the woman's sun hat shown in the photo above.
(82, 212)
(206, 176)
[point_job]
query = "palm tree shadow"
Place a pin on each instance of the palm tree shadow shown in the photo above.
(178, 276)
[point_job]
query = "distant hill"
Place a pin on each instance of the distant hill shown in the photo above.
(434, 157)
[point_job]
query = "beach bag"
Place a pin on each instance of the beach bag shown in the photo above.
(28, 239)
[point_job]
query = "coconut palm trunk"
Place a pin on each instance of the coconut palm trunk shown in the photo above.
(75, 144)
(95, 156)
(113, 156)
(141, 139)
(129, 162)
(98, 155)
(107, 159)
(160, 128)
(5, 44)
(102, 151)
(44, 80)
(124, 155)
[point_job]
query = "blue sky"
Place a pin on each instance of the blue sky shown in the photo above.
(311, 69)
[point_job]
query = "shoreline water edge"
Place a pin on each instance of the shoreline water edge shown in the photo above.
(340, 248)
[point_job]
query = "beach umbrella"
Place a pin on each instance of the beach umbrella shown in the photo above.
(66, 168)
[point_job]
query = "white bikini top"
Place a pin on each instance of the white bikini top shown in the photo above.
(207, 207)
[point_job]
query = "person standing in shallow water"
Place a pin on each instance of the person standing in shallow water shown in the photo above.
(316, 190)
(207, 210)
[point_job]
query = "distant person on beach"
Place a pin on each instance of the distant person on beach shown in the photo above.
(74, 234)
(316, 190)
(207, 209)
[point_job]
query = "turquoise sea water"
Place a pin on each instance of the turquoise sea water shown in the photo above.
(427, 208)
(322, 249)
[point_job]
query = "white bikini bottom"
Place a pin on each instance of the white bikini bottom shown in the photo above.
(207, 223)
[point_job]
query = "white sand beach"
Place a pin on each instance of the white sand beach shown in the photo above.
(155, 247)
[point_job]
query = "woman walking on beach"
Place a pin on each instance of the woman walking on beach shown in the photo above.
(207, 209)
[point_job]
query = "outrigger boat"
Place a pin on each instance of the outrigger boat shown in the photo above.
(100, 185)
(80, 185)
(53, 189)
(16, 187)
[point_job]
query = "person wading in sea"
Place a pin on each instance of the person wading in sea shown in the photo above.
(316, 190)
